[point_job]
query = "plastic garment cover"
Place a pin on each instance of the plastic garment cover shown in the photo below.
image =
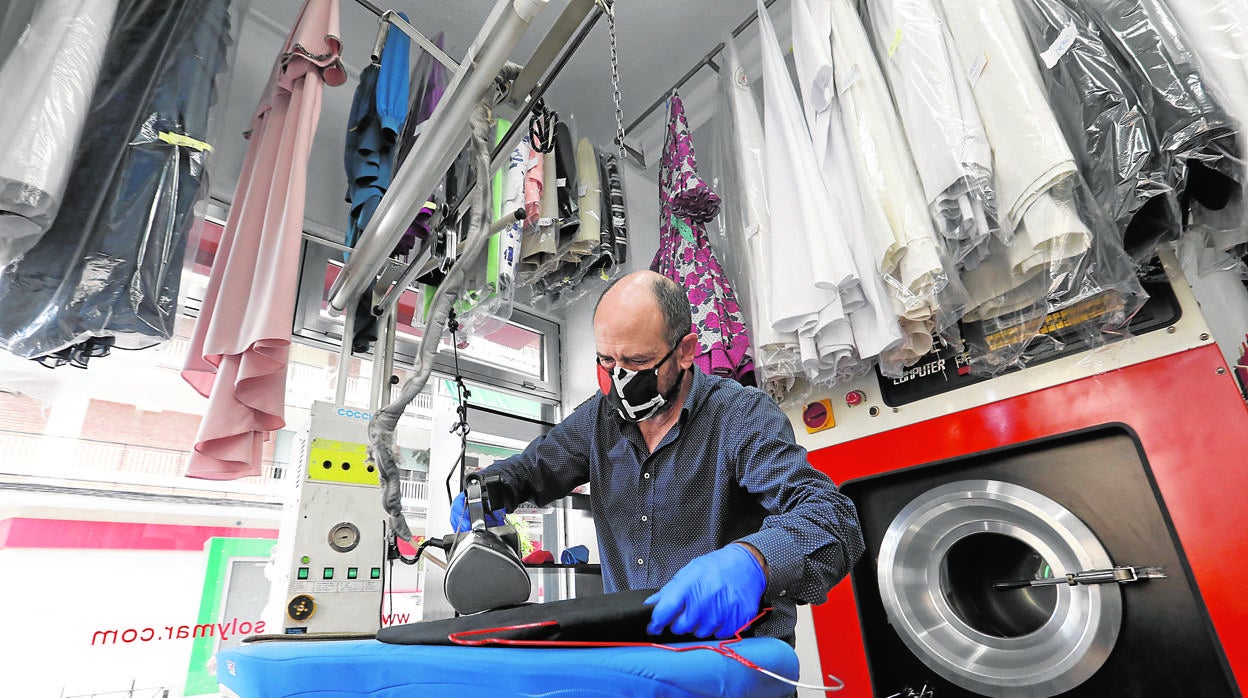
(1031, 157)
(1193, 127)
(613, 189)
(110, 266)
(485, 302)
(804, 298)
(1065, 251)
(568, 221)
(686, 205)
(241, 342)
(428, 82)
(830, 354)
(873, 326)
(941, 121)
(47, 83)
(378, 110)
(1218, 30)
(533, 182)
(580, 239)
(909, 253)
(540, 242)
(1104, 120)
(589, 266)
(588, 200)
(552, 251)
(15, 16)
(739, 156)
(1089, 298)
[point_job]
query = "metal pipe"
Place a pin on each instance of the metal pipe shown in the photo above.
(422, 41)
(536, 71)
(383, 360)
(379, 44)
(377, 374)
(381, 428)
(344, 359)
(444, 137)
(327, 243)
(417, 265)
(370, 7)
(392, 17)
(502, 150)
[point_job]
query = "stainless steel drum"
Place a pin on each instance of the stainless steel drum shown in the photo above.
(937, 564)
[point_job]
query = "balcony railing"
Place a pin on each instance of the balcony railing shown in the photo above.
(103, 462)
(62, 457)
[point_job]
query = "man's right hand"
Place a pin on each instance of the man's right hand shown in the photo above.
(459, 515)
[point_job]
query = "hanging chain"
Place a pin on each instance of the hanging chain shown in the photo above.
(461, 427)
(608, 7)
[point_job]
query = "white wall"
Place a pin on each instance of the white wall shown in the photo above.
(641, 196)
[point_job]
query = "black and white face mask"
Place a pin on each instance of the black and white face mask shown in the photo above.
(635, 394)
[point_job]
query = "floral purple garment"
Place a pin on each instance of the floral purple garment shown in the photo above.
(685, 255)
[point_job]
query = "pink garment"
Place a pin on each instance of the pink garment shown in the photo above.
(241, 342)
(533, 188)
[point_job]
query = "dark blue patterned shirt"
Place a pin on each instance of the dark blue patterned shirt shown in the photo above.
(728, 470)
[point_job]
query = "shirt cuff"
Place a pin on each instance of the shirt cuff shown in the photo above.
(784, 561)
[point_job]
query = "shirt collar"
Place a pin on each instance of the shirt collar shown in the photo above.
(697, 390)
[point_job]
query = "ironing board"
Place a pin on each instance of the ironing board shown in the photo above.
(372, 669)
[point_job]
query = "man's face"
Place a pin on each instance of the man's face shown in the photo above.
(629, 332)
(635, 353)
(636, 342)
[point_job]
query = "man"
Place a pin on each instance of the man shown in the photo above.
(697, 486)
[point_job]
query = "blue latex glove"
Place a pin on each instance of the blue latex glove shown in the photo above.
(714, 595)
(459, 515)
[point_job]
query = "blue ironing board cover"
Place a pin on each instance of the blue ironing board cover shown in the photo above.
(372, 669)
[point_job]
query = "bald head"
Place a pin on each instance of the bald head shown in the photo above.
(648, 293)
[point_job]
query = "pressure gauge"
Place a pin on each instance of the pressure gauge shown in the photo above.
(344, 537)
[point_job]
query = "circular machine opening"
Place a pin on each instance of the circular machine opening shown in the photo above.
(975, 563)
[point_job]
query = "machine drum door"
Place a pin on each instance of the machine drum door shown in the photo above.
(937, 564)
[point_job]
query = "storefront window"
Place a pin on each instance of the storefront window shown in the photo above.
(114, 558)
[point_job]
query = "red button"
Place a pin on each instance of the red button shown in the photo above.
(855, 397)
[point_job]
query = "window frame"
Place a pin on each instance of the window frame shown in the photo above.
(312, 326)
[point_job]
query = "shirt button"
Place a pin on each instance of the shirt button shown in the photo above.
(645, 518)
(646, 475)
(641, 561)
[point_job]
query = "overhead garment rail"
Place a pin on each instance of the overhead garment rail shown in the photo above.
(391, 17)
(563, 40)
(445, 135)
(707, 61)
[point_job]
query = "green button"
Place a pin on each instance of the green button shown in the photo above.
(303, 572)
(375, 573)
(352, 573)
(327, 573)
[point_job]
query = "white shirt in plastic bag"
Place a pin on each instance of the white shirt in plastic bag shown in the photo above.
(47, 82)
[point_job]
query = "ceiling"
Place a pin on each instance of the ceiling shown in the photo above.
(658, 41)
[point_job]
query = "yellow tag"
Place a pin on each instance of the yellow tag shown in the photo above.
(179, 139)
(892, 48)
